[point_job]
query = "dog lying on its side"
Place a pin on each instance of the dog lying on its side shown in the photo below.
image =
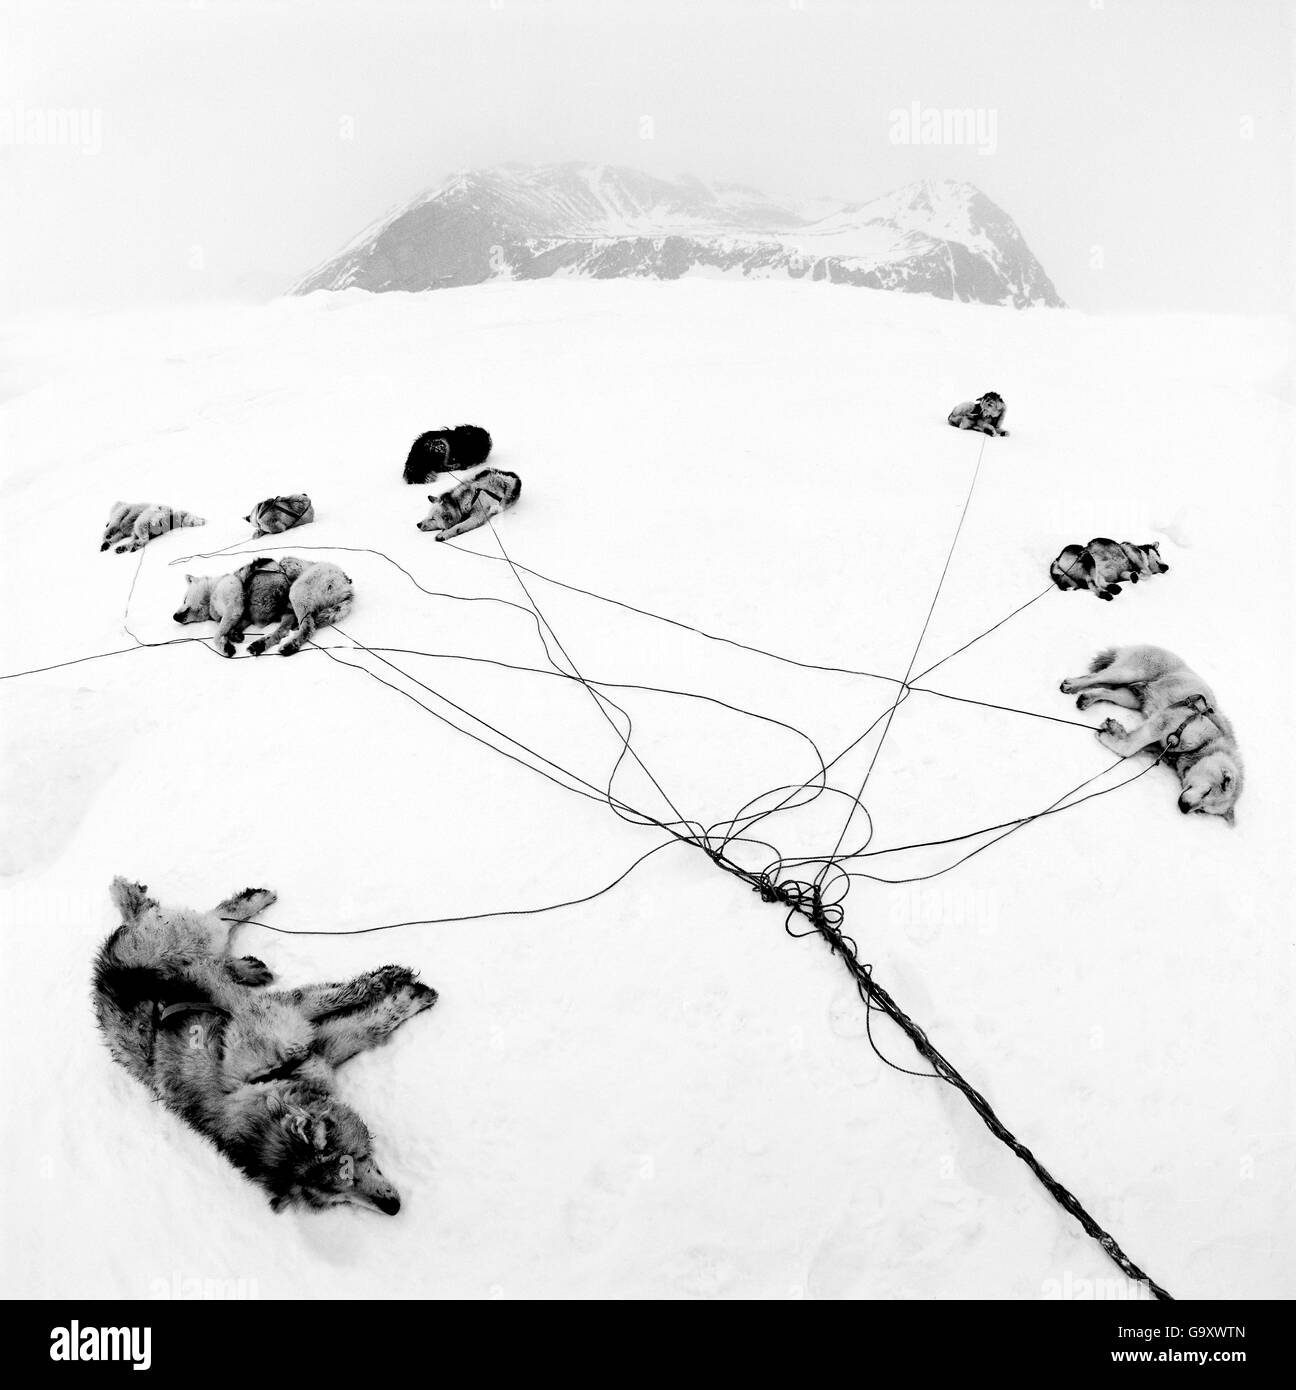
(439, 451)
(985, 414)
(297, 595)
(1179, 719)
(471, 504)
(134, 524)
(250, 1068)
(1102, 564)
(278, 514)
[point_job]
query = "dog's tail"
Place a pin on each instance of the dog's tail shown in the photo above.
(1103, 660)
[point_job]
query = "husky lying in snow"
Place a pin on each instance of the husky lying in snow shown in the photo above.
(298, 595)
(471, 504)
(1100, 565)
(985, 414)
(278, 514)
(134, 524)
(1179, 717)
(250, 1068)
(439, 451)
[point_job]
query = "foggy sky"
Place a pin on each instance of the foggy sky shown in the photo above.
(219, 150)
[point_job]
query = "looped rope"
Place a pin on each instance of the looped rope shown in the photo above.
(799, 897)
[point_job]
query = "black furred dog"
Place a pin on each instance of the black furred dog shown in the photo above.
(440, 451)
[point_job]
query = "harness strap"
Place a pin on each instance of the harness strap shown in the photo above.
(288, 511)
(1200, 710)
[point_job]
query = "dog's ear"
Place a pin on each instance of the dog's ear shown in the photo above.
(130, 899)
(431, 496)
(320, 1135)
(189, 578)
(1230, 817)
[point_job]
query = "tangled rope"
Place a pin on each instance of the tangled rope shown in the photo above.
(803, 899)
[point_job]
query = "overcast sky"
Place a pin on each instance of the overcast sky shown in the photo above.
(1144, 147)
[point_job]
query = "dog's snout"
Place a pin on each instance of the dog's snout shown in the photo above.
(177, 617)
(389, 1206)
(1184, 806)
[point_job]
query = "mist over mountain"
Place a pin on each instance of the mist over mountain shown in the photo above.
(936, 237)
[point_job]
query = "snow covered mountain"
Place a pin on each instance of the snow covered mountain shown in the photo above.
(933, 237)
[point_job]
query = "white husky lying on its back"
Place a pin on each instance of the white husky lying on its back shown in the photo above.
(1180, 722)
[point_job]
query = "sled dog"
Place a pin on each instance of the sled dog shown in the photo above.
(277, 514)
(250, 1068)
(1101, 565)
(297, 595)
(131, 525)
(985, 414)
(471, 504)
(1180, 722)
(439, 451)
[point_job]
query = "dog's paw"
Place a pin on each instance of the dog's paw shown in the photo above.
(424, 996)
(1085, 699)
(257, 648)
(1003, 434)
(248, 970)
(388, 979)
(1067, 687)
(1111, 735)
(251, 901)
(226, 649)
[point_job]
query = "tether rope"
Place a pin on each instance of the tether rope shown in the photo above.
(826, 917)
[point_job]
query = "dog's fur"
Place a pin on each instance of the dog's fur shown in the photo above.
(1179, 720)
(471, 504)
(131, 525)
(297, 595)
(250, 1068)
(1101, 565)
(440, 451)
(277, 514)
(985, 414)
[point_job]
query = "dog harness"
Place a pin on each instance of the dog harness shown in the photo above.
(1200, 710)
(278, 504)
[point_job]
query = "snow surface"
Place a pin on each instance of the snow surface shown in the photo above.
(659, 1093)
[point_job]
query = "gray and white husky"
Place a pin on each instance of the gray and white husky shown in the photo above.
(471, 503)
(249, 1067)
(1180, 721)
(985, 414)
(1102, 565)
